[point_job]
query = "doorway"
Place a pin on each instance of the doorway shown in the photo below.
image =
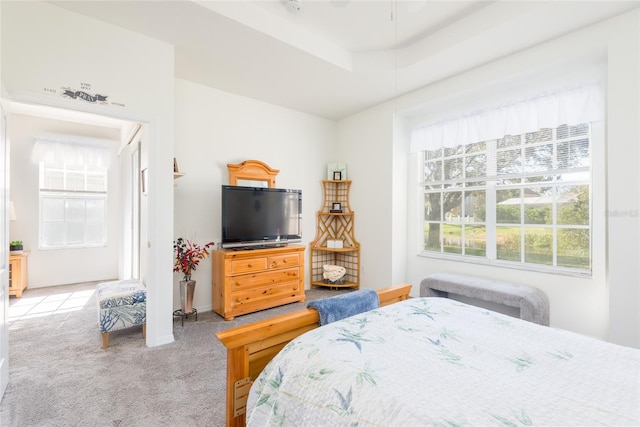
(118, 255)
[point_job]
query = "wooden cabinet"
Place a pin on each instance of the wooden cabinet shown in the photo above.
(17, 274)
(335, 225)
(244, 281)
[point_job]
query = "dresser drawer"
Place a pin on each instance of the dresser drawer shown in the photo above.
(284, 260)
(247, 265)
(258, 295)
(264, 279)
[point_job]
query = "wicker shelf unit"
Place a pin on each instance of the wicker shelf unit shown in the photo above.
(335, 224)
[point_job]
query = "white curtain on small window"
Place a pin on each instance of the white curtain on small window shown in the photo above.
(582, 104)
(65, 152)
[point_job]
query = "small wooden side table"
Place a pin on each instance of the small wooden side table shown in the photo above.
(18, 273)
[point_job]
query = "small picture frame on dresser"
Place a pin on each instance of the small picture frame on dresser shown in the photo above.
(337, 176)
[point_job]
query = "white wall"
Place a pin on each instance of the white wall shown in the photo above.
(623, 178)
(55, 267)
(214, 128)
(39, 52)
(578, 304)
(365, 145)
(45, 49)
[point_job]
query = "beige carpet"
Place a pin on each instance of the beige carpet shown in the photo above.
(59, 375)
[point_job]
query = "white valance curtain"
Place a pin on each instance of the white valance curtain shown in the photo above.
(57, 151)
(549, 110)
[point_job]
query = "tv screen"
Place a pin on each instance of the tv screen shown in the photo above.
(256, 216)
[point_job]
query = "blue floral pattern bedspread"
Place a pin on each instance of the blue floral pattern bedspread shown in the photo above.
(435, 361)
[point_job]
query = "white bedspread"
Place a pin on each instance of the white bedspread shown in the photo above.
(434, 361)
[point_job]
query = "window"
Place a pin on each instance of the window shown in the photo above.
(73, 206)
(522, 199)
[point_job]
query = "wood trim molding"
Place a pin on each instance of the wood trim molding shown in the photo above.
(252, 170)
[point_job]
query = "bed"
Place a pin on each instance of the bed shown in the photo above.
(436, 361)
(251, 347)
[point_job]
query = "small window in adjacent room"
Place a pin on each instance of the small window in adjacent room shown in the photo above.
(522, 199)
(72, 193)
(73, 206)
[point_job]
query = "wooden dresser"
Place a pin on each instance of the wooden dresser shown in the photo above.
(244, 281)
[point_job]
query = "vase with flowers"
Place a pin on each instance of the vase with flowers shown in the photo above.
(187, 257)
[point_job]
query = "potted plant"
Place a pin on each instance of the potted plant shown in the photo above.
(187, 257)
(15, 246)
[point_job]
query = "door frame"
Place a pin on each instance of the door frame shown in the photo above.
(6, 108)
(4, 254)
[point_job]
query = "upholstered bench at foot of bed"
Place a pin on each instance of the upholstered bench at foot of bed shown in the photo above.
(121, 304)
(532, 302)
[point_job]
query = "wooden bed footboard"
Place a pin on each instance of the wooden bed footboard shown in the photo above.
(251, 347)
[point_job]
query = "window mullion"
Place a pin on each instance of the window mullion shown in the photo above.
(441, 229)
(490, 201)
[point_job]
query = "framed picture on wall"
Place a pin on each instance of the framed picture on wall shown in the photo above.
(336, 171)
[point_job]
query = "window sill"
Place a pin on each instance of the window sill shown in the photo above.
(558, 271)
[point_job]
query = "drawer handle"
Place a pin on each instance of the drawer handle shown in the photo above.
(249, 265)
(238, 300)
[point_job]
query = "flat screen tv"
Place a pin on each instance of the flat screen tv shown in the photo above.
(256, 216)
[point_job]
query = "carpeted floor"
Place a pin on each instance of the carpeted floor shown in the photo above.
(60, 376)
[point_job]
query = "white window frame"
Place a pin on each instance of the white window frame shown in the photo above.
(65, 193)
(596, 198)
